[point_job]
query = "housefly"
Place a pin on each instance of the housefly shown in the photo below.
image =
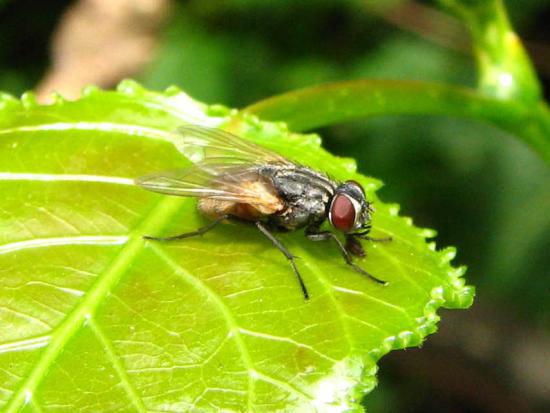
(234, 179)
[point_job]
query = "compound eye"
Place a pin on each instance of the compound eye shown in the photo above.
(342, 213)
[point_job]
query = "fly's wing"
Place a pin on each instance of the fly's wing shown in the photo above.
(244, 185)
(226, 169)
(207, 146)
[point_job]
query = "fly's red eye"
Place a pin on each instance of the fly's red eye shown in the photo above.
(342, 213)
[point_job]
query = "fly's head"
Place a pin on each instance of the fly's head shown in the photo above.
(349, 211)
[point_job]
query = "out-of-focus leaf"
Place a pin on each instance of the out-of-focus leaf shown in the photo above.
(94, 318)
(504, 68)
(343, 101)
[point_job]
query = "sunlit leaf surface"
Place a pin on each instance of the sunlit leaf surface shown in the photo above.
(93, 318)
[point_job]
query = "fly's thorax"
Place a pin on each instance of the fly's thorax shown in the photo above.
(302, 183)
(306, 194)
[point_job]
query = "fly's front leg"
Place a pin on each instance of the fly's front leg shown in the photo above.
(286, 253)
(353, 246)
(315, 235)
(199, 231)
(385, 239)
(364, 234)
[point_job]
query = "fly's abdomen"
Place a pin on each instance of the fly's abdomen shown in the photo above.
(256, 199)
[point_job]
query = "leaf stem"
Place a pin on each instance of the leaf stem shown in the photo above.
(344, 101)
(504, 68)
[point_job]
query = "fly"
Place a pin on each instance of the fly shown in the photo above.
(234, 179)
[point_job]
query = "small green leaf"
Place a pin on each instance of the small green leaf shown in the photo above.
(94, 318)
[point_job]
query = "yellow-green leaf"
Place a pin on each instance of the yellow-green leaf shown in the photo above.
(95, 318)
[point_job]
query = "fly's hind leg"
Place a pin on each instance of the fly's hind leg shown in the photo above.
(286, 253)
(314, 234)
(200, 231)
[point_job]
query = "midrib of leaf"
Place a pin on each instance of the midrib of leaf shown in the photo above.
(158, 217)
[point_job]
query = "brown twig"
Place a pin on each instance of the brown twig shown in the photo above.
(443, 29)
(426, 22)
(100, 42)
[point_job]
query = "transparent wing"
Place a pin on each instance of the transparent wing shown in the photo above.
(226, 168)
(208, 146)
(237, 184)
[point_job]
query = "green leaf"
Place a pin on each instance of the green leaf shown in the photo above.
(505, 70)
(94, 318)
(337, 102)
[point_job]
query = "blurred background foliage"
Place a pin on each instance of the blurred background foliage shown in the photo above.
(485, 192)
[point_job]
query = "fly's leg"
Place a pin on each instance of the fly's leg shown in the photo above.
(286, 253)
(385, 239)
(199, 231)
(353, 246)
(314, 235)
(364, 234)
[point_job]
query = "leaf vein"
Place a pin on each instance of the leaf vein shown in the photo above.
(26, 344)
(41, 177)
(329, 291)
(230, 321)
(118, 366)
(60, 241)
(86, 308)
(108, 127)
(286, 340)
